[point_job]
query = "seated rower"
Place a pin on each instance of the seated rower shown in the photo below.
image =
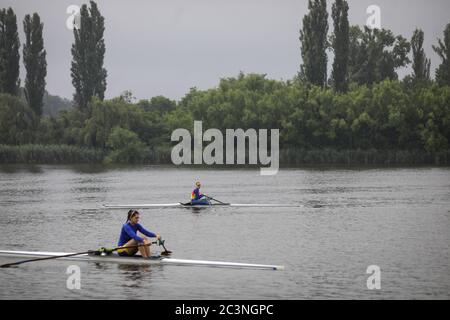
(197, 197)
(129, 237)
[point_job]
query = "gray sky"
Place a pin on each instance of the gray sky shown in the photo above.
(156, 47)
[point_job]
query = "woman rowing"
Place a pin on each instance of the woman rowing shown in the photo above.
(197, 197)
(129, 239)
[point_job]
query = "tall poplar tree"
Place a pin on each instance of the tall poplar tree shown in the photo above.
(443, 50)
(34, 59)
(420, 63)
(314, 43)
(88, 52)
(339, 74)
(9, 53)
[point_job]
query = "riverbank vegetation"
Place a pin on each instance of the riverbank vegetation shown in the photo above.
(363, 114)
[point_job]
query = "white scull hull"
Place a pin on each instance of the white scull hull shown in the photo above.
(180, 205)
(136, 260)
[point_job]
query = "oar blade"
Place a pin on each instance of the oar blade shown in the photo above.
(7, 265)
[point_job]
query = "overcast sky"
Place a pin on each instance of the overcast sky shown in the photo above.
(156, 47)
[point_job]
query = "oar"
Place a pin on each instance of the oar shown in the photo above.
(216, 200)
(100, 251)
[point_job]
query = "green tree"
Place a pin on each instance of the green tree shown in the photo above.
(88, 51)
(357, 56)
(16, 120)
(9, 53)
(375, 55)
(420, 65)
(126, 147)
(105, 115)
(34, 58)
(314, 44)
(443, 50)
(434, 107)
(340, 43)
(158, 104)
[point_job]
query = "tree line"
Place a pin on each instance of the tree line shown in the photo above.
(361, 113)
(363, 55)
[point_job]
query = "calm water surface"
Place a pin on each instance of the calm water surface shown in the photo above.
(347, 220)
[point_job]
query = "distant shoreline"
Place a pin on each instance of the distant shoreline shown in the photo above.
(289, 157)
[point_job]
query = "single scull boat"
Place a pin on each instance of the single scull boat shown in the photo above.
(114, 258)
(188, 205)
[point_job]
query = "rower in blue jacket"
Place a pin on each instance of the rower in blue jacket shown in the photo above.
(131, 241)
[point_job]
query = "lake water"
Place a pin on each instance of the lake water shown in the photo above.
(347, 220)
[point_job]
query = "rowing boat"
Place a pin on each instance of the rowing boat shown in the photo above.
(188, 205)
(137, 260)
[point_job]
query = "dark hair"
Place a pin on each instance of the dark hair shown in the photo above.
(131, 214)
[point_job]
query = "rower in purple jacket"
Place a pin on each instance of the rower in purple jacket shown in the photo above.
(197, 197)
